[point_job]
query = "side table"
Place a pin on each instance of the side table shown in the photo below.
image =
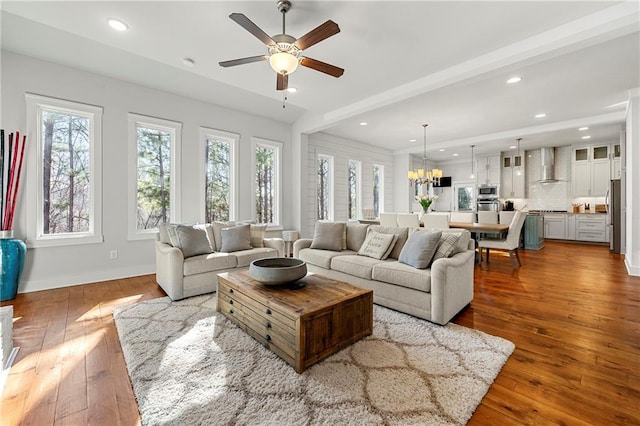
(289, 237)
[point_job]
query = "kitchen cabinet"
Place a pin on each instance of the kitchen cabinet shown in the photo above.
(554, 226)
(512, 176)
(616, 170)
(591, 227)
(488, 170)
(591, 168)
(570, 227)
(534, 232)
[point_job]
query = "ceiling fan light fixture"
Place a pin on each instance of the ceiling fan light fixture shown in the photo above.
(283, 62)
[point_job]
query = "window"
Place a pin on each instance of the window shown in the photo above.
(154, 161)
(378, 189)
(324, 187)
(219, 174)
(64, 180)
(464, 197)
(267, 180)
(354, 189)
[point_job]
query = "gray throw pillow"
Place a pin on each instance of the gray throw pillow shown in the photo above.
(236, 238)
(376, 245)
(447, 246)
(257, 234)
(420, 248)
(356, 234)
(218, 226)
(329, 236)
(192, 240)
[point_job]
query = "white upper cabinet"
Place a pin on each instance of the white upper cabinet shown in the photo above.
(513, 176)
(592, 169)
(488, 170)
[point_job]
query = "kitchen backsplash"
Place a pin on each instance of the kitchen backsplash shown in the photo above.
(549, 196)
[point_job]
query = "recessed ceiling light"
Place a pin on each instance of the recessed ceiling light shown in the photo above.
(586, 137)
(292, 89)
(363, 123)
(582, 129)
(455, 155)
(514, 80)
(512, 147)
(442, 150)
(117, 24)
(188, 62)
(412, 140)
(541, 115)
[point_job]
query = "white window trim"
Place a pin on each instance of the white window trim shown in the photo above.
(234, 140)
(175, 128)
(34, 236)
(382, 185)
(255, 142)
(330, 201)
(358, 165)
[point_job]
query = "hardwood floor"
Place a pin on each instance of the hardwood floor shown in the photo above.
(571, 310)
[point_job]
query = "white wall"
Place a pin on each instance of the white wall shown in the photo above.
(632, 255)
(62, 266)
(342, 151)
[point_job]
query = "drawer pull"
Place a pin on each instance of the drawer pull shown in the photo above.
(231, 302)
(230, 290)
(268, 311)
(268, 338)
(231, 311)
(268, 324)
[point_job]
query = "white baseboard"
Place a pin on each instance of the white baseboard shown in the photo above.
(86, 278)
(632, 269)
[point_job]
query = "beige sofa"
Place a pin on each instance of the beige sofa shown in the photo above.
(436, 293)
(188, 258)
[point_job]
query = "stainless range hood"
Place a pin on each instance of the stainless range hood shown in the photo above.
(548, 172)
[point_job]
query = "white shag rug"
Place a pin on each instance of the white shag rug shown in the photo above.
(191, 366)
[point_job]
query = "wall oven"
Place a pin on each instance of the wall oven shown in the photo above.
(487, 192)
(488, 205)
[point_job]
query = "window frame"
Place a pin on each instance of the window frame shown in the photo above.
(234, 139)
(175, 129)
(381, 188)
(35, 237)
(358, 165)
(330, 183)
(277, 147)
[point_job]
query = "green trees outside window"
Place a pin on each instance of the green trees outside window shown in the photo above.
(153, 177)
(265, 183)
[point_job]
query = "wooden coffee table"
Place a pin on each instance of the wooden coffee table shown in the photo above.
(300, 324)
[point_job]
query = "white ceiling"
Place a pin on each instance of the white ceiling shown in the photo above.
(406, 63)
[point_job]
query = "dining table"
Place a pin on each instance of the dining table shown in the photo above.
(481, 228)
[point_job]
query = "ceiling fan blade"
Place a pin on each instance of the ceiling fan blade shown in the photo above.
(248, 25)
(322, 67)
(234, 62)
(317, 34)
(282, 82)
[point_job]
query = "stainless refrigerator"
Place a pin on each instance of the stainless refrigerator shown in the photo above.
(615, 218)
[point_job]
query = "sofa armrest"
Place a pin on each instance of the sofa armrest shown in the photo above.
(170, 270)
(300, 244)
(451, 285)
(275, 243)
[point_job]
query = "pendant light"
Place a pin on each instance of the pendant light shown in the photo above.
(472, 164)
(423, 176)
(519, 167)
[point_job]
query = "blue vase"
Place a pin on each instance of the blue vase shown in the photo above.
(12, 254)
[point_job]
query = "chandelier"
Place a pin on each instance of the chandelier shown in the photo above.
(423, 176)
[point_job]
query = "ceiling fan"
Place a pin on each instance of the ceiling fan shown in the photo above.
(285, 51)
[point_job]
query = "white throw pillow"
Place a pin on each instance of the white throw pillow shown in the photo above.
(376, 245)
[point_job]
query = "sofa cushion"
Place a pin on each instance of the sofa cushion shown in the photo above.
(377, 245)
(218, 226)
(397, 273)
(209, 262)
(356, 233)
(358, 266)
(236, 238)
(257, 233)
(420, 248)
(191, 239)
(321, 258)
(402, 233)
(329, 236)
(245, 257)
(451, 243)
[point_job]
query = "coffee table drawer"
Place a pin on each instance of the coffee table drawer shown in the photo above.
(259, 308)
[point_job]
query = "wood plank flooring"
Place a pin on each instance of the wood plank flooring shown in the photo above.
(571, 310)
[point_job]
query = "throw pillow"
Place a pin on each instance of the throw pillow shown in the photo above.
(257, 234)
(447, 246)
(420, 248)
(218, 226)
(402, 233)
(192, 240)
(236, 238)
(376, 245)
(329, 236)
(356, 234)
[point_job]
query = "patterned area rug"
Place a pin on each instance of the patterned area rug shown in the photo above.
(189, 365)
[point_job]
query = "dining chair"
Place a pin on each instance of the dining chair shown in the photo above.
(511, 243)
(506, 216)
(487, 217)
(389, 219)
(408, 220)
(435, 221)
(462, 217)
